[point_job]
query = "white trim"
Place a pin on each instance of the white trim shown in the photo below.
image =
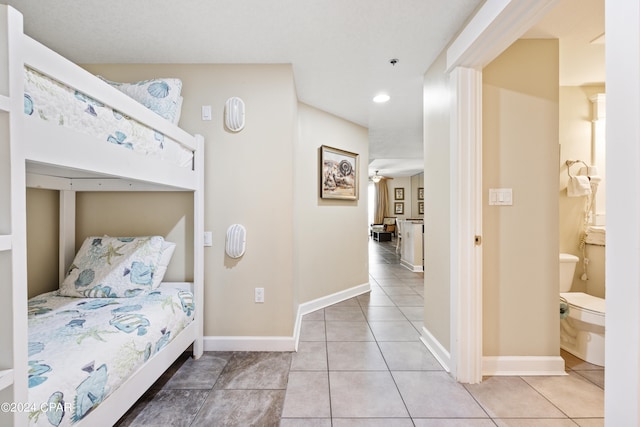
(198, 245)
(522, 365)
(213, 343)
(622, 322)
(15, 327)
(494, 28)
(496, 25)
(67, 232)
(437, 350)
(411, 267)
(90, 156)
(282, 343)
(322, 302)
(466, 209)
(48, 182)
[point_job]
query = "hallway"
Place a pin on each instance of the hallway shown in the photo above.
(361, 363)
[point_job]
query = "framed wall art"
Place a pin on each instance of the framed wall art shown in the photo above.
(399, 193)
(421, 193)
(398, 208)
(338, 174)
(421, 208)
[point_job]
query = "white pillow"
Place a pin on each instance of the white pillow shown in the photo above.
(113, 267)
(159, 95)
(165, 257)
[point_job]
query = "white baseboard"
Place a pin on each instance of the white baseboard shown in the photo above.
(281, 343)
(414, 268)
(249, 344)
(522, 365)
(316, 304)
(322, 302)
(439, 352)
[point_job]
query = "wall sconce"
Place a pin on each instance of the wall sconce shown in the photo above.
(236, 241)
(234, 114)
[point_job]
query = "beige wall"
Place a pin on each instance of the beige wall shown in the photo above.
(520, 244)
(575, 144)
(417, 181)
(248, 180)
(400, 182)
(168, 214)
(410, 185)
(437, 192)
(331, 236)
(42, 241)
(264, 177)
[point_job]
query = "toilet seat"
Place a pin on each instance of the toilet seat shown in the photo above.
(585, 307)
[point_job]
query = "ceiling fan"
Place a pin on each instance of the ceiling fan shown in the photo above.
(376, 177)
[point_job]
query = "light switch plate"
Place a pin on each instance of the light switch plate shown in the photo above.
(500, 196)
(206, 112)
(208, 238)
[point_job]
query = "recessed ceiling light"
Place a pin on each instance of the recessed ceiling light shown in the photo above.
(383, 97)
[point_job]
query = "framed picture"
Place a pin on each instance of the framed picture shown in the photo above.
(421, 208)
(398, 208)
(399, 193)
(420, 193)
(338, 174)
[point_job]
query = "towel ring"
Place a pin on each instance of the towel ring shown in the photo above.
(570, 163)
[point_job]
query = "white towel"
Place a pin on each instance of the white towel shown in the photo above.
(578, 186)
(595, 179)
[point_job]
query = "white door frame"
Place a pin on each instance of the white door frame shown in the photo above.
(495, 27)
(622, 338)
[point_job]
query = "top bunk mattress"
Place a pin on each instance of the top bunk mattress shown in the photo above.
(48, 100)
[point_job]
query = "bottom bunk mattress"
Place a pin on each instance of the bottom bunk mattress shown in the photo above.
(82, 349)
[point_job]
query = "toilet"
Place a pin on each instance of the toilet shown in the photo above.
(582, 331)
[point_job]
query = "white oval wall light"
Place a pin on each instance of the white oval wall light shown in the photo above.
(236, 241)
(234, 114)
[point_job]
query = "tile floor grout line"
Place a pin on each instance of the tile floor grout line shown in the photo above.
(387, 273)
(385, 359)
(545, 397)
(213, 386)
(326, 352)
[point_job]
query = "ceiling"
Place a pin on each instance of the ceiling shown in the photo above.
(340, 50)
(579, 26)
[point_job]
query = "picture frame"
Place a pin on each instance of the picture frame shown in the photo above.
(339, 173)
(398, 208)
(399, 193)
(420, 193)
(421, 208)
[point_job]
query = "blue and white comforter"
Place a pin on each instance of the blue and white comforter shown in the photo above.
(81, 349)
(51, 101)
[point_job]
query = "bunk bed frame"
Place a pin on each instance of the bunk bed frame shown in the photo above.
(45, 155)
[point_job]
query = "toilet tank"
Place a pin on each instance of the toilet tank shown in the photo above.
(567, 268)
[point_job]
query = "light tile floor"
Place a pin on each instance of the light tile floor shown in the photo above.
(361, 363)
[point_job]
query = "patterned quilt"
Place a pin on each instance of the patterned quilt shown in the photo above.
(51, 101)
(81, 349)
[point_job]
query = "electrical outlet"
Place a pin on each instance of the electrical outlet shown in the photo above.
(259, 296)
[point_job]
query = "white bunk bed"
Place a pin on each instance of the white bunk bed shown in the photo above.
(45, 155)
